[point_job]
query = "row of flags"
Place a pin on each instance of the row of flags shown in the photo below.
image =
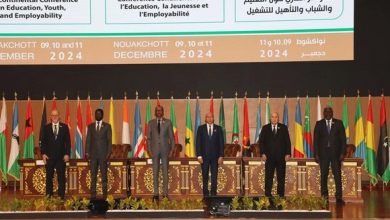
(376, 159)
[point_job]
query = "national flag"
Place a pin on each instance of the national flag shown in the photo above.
(236, 129)
(258, 121)
(222, 119)
(308, 140)
(371, 162)
(172, 114)
(330, 101)
(28, 149)
(345, 118)
(43, 122)
(267, 111)
(79, 132)
(211, 104)
(189, 134)
(198, 120)
(111, 120)
(298, 146)
(88, 114)
(148, 117)
(54, 103)
(3, 142)
(125, 123)
(360, 141)
(383, 146)
(101, 103)
(138, 137)
(158, 99)
(245, 127)
(319, 109)
(285, 112)
(67, 122)
(13, 165)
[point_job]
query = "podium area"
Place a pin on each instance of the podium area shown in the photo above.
(237, 176)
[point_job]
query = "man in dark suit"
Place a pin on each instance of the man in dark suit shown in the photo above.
(329, 148)
(160, 144)
(275, 149)
(98, 150)
(209, 150)
(55, 150)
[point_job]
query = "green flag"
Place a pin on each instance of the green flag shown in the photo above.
(189, 135)
(236, 130)
(28, 150)
(222, 119)
(330, 102)
(13, 165)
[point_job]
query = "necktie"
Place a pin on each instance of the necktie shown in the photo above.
(55, 132)
(158, 126)
(274, 129)
(209, 130)
(98, 126)
(328, 126)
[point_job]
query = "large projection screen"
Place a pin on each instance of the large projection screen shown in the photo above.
(174, 31)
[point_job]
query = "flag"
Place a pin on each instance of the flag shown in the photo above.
(13, 165)
(267, 111)
(111, 120)
(236, 130)
(173, 120)
(383, 146)
(101, 103)
(67, 122)
(319, 109)
(360, 141)
(79, 132)
(3, 142)
(211, 104)
(189, 135)
(330, 102)
(222, 119)
(43, 122)
(28, 149)
(198, 120)
(88, 114)
(258, 121)
(345, 118)
(298, 146)
(285, 112)
(245, 128)
(308, 140)
(54, 103)
(138, 138)
(148, 117)
(125, 123)
(370, 148)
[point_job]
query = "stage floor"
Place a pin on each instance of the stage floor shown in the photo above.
(376, 205)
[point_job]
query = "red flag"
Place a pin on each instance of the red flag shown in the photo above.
(54, 103)
(245, 133)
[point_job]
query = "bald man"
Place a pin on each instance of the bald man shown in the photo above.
(209, 150)
(55, 150)
(275, 149)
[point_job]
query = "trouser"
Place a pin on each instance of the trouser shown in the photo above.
(270, 167)
(156, 172)
(59, 165)
(335, 164)
(212, 166)
(95, 164)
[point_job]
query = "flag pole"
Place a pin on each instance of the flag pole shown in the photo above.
(16, 99)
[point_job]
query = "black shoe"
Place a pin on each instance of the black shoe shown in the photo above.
(155, 198)
(340, 202)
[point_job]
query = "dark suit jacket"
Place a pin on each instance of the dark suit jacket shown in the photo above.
(55, 148)
(336, 139)
(275, 146)
(209, 148)
(99, 143)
